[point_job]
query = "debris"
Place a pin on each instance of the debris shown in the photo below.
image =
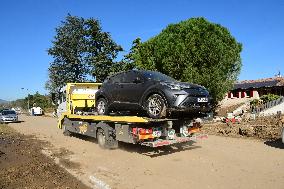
(267, 128)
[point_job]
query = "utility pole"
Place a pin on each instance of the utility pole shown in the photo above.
(27, 97)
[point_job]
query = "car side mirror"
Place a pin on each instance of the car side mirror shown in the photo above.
(137, 80)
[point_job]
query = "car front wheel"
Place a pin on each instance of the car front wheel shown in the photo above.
(156, 106)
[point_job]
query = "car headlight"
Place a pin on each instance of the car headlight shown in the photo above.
(172, 86)
(175, 87)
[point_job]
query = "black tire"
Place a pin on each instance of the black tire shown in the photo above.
(101, 138)
(66, 132)
(102, 106)
(156, 106)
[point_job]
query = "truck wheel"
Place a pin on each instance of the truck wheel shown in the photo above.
(65, 131)
(156, 106)
(101, 138)
(102, 106)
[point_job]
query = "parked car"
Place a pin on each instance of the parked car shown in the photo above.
(157, 94)
(8, 116)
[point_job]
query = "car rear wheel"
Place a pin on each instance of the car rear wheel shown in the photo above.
(156, 106)
(102, 106)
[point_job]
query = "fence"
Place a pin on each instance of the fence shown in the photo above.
(267, 105)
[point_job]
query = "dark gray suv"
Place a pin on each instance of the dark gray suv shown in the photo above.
(152, 92)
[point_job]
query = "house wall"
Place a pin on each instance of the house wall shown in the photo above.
(242, 94)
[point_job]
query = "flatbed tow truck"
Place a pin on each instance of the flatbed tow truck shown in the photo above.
(76, 114)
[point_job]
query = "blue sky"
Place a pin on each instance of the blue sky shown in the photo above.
(27, 28)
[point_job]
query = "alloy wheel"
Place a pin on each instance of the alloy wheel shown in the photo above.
(154, 106)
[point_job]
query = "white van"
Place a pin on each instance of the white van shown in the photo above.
(36, 111)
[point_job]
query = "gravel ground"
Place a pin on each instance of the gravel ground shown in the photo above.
(216, 163)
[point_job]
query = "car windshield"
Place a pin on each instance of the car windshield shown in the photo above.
(8, 112)
(157, 76)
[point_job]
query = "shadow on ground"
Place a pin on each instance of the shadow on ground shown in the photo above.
(145, 150)
(159, 151)
(275, 143)
(12, 122)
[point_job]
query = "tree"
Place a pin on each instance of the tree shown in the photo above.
(81, 50)
(193, 50)
(43, 101)
(102, 50)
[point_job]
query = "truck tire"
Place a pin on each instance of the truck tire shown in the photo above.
(106, 136)
(101, 138)
(66, 132)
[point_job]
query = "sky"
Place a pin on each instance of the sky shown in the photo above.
(28, 27)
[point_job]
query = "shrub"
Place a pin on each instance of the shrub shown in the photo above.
(269, 97)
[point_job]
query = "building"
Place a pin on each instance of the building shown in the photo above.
(257, 88)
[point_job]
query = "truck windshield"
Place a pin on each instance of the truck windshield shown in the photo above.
(157, 76)
(8, 112)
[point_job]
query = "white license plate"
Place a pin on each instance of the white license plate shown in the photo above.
(202, 99)
(157, 133)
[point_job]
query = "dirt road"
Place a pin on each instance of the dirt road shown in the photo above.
(216, 162)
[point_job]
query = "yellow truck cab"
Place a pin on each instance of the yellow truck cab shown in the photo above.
(77, 98)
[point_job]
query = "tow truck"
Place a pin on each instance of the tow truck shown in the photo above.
(76, 114)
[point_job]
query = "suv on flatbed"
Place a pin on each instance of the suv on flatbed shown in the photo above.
(157, 94)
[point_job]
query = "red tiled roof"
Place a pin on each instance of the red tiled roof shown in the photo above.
(279, 79)
(266, 82)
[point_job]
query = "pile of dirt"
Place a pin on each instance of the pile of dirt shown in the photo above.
(222, 111)
(22, 165)
(267, 128)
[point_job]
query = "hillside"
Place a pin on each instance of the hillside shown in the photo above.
(3, 101)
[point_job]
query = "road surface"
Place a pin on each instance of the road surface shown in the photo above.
(213, 163)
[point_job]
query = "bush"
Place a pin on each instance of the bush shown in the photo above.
(269, 97)
(254, 103)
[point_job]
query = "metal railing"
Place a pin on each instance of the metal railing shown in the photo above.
(267, 105)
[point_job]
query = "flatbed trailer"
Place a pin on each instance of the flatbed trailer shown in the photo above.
(131, 129)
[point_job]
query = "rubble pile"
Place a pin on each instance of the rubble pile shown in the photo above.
(267, 128)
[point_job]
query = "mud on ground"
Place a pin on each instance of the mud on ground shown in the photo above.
(22, 165)
(265, 128)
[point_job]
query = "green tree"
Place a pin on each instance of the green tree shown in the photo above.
(69, 53)
(102, 50)
(37, 99)
(81, 50)
(193, 50)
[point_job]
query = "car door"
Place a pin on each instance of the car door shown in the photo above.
(131, 88)
(111, 89)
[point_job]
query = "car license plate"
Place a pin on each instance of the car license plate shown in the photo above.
(157, 133)
(202, 99)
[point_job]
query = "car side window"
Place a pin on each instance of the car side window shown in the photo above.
(117, 78)
(129, 77)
